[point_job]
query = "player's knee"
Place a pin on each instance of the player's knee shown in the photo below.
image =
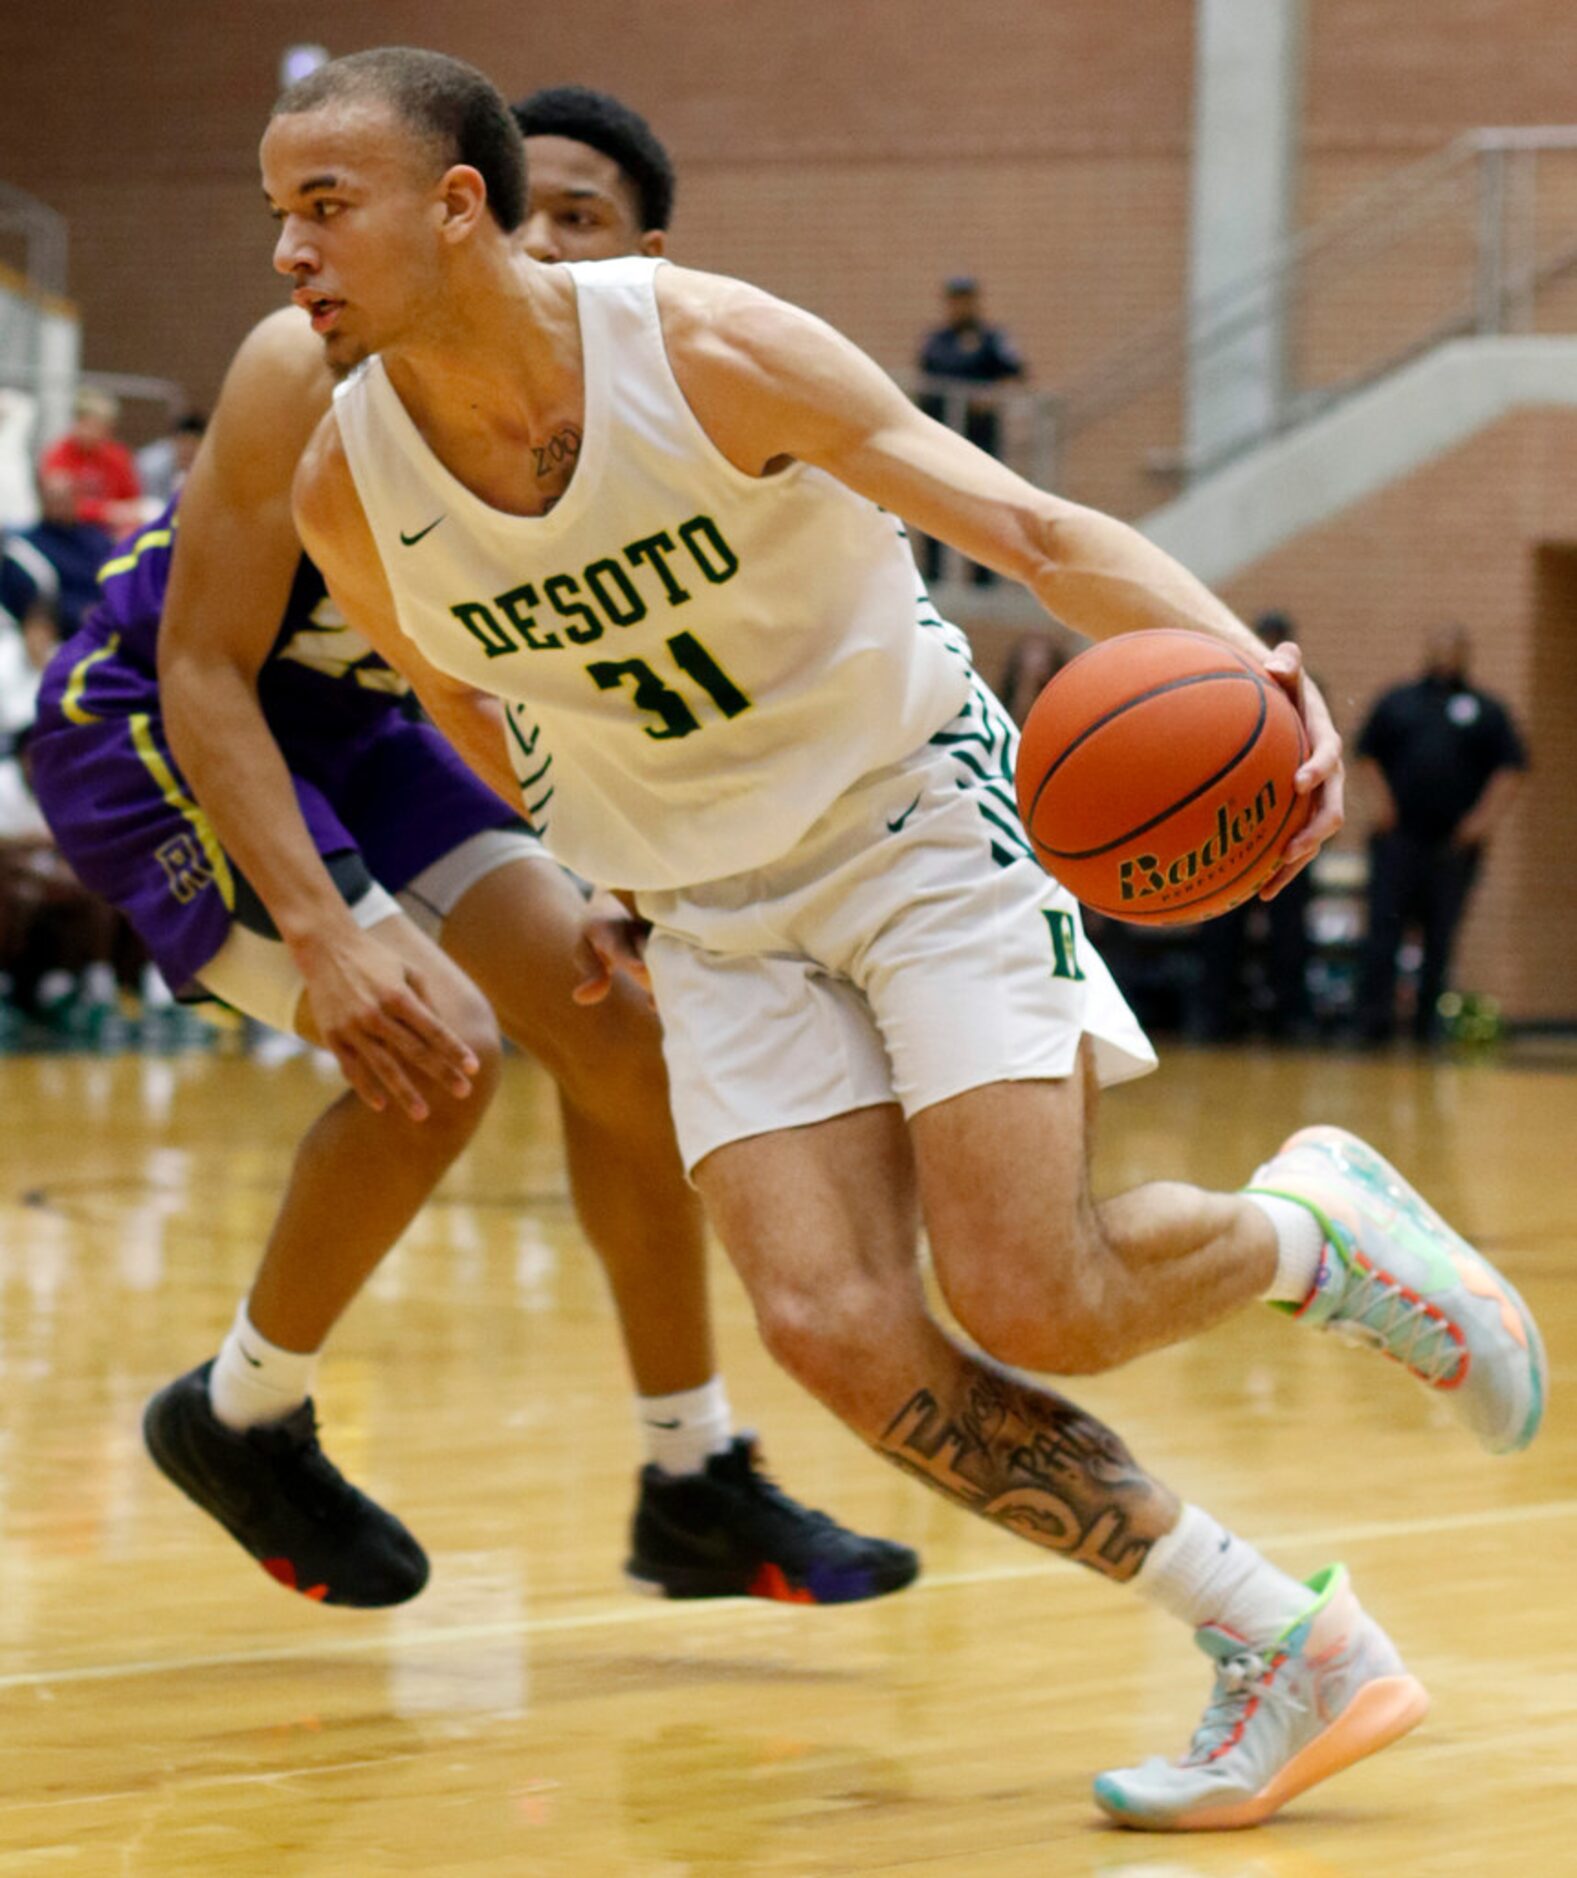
(828, 1337)
(1043, 1310)
(470, 1017)
(614, 1072)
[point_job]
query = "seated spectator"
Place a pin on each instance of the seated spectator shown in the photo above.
(18, 485)
(49, 573)
(162, 464)
(25, 647)
(24, 838)
(96, 464)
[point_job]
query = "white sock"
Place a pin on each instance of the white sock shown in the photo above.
(683, 1429)
(98, 983)
(1300, 1245)
(54, 987)
(1201, 1573)
(156, 994)
(255, 1381)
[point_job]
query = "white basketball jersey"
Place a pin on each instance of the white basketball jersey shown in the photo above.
(694, 663)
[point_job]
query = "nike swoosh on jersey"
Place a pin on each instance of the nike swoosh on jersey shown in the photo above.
(898, 820)
(410, 541)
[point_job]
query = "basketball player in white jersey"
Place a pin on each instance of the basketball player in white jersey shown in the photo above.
(698, 642)
(355, 922)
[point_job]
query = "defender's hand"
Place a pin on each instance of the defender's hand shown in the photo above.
(378, 1016)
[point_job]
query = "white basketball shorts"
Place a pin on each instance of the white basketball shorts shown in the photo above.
(255, 973)
(909, 948)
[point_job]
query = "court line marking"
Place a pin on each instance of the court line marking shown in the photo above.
(675, 1611)
(276, 1776)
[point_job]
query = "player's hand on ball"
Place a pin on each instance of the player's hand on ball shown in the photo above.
(1321, 776)
(378, 1015)
(611, 941)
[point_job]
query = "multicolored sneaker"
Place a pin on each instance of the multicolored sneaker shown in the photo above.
(281, 1498)
(731, 1532)
(1326, 1693)
(1394, 1276)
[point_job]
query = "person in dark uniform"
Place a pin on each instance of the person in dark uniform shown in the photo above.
(966, 348)
(1446, 761)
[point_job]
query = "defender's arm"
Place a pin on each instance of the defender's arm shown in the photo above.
(235, 559)
(334, 529)
(231, 575)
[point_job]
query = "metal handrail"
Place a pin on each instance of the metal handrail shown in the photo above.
(1371, 221)
(1215, 316)
(1032, 418)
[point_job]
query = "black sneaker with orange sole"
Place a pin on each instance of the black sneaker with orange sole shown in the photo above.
(731, 1532)
(281, 1498)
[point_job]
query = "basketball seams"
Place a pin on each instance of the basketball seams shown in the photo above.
(1155, 691)
(1182, 802)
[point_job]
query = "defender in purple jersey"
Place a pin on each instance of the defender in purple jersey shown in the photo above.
(382, 795)
(337, 840)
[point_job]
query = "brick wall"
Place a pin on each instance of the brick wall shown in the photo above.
(1389, 82)
(848, 153)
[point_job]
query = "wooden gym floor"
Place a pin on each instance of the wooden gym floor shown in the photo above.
(166, 1710)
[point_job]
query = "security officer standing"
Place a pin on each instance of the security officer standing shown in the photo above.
(1445, 762)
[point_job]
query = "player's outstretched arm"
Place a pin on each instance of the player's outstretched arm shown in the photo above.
(770, 382)
(231, 575)
(236, 556)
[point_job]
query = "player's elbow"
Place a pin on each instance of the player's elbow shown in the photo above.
(1038, 546)
(189, 674)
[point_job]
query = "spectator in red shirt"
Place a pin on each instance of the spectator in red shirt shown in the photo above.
(98, 466)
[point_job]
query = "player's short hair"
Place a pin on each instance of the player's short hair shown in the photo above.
(449, 103)
(609, 125)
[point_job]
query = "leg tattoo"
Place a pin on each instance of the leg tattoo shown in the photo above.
(1034, 1462)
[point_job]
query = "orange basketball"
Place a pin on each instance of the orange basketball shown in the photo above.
(1155, 777)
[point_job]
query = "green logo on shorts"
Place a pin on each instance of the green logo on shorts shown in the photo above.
(1064, 946)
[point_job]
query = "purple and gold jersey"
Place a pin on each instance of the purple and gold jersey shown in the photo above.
(319, 674)
(369, 777)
